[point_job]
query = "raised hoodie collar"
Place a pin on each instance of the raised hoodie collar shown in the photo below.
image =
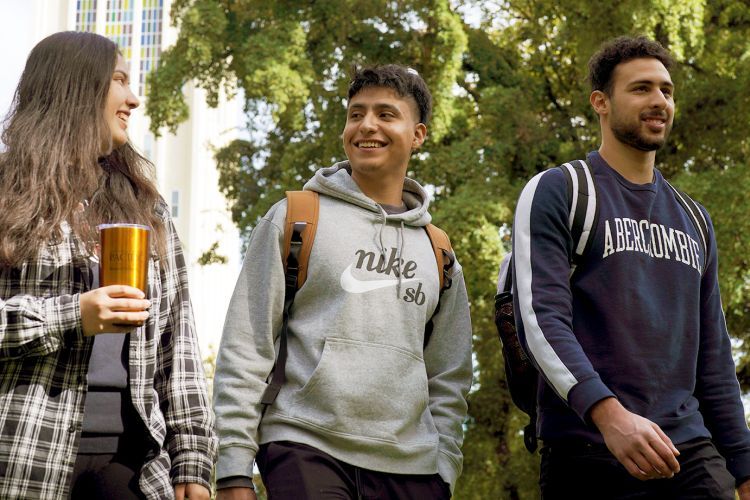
(336, 181)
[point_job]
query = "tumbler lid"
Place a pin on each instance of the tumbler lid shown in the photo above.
(122, 224)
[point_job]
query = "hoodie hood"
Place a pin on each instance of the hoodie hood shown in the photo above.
(336, 181)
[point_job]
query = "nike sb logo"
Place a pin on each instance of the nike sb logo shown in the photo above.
(368, 261)
(354, 285)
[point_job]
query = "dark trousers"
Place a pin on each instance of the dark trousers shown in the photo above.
(592, 472)
(296, 471)
(110, 476)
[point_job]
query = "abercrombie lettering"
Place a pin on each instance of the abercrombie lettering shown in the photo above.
(655, 240)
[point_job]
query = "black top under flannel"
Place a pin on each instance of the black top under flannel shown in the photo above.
(44, 358)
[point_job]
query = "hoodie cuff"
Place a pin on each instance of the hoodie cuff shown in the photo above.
(448, 469)
(235, 461)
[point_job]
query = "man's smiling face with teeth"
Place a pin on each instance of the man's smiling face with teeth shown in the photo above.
(641, 104)
(382, 129)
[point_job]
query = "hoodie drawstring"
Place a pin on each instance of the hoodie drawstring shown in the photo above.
(381, 246)
(400, 243)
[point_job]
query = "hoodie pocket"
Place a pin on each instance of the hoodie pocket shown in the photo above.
(365, 389)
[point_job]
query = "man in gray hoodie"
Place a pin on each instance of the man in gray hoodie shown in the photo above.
(367, 409)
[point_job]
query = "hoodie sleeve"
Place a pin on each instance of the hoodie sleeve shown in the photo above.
(717, 388)
(542, 250)
(246, 353)
(448, 362)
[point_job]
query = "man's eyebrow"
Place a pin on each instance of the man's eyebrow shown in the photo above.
(387, 106)
(663, 83)
(377, 105)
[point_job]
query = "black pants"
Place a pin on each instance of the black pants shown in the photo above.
(298, 472)
(592, 472)
(110, 476)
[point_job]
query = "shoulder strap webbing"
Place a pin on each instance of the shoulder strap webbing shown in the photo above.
(696, 216)
(299, 234)
(584, 209)
(445, 259)
(302, 213)
(505, 275)
(444, 256)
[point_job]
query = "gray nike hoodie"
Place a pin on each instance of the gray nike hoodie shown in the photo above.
(360, 385)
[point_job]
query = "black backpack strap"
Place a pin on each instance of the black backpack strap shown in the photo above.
(505, 276)
(584, 207)
(290, 290)
(696, 216)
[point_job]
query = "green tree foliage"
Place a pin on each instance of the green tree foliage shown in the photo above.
(212, 256)
(510, 100)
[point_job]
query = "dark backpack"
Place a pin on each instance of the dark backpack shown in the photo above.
(521, 373)
(299, 235)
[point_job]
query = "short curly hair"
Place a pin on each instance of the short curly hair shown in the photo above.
(406, 82)
(621, 50)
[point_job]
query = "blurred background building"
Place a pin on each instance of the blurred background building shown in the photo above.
(185, 168)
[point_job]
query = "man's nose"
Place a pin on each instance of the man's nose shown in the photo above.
(369, 122)
(658, 99)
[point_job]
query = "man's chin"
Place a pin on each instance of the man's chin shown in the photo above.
(639, 142)
(363, 166)
(648, 146)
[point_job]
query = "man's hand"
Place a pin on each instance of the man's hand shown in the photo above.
(236, 494)
(638, 443)
(191, 491)
(743, 490)
(112, 309)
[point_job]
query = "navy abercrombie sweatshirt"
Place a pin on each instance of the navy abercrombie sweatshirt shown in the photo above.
(640, 319)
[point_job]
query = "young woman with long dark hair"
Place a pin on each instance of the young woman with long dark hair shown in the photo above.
(102, 391)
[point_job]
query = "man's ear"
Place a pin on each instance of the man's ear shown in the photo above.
(600, 102)
(420, 134)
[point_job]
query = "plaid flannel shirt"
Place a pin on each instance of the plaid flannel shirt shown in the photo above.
(44, 358)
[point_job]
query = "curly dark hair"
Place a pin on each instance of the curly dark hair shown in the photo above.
(406, 82)
(621, 50)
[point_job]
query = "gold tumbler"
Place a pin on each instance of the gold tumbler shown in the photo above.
(124, 252)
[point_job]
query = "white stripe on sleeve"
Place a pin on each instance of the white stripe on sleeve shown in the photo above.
(551, 365)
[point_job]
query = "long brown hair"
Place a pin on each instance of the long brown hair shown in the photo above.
(54, 136)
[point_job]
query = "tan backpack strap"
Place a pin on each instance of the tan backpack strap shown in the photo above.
(301, 207)
(299, 234)
(444, 256)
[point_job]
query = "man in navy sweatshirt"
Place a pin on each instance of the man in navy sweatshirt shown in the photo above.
(641, 398)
